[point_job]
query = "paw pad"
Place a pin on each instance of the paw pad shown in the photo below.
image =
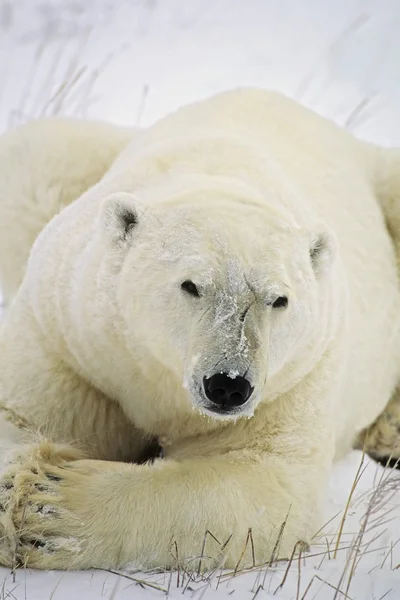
(53, 477)
(40, 487)
(33, 542)
(45, 510)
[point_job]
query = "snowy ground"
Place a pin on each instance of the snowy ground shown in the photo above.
(131, 62)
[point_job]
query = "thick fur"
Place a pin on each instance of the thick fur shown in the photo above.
(45, 165)
(251, 197)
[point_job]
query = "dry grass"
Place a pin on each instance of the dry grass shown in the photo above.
(59, 82)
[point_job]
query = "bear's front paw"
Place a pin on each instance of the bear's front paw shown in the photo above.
(35, 527)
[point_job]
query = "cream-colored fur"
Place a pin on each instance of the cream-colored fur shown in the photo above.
(251, 197)
(44, 166)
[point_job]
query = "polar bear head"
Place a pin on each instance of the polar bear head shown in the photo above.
(220, 288)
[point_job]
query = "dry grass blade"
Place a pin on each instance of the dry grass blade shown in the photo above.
(346, 510)
(385, 594)
(351, 119)
(141, 582)
(55, 588)
(333, 587)
(249, 537)
(280, 586)
(390, 553)
(113, 594)
(298, 576)
(207, 533)
(327, 554)
(142, 105)
(258, 590)
(176, 558)
(275, 551)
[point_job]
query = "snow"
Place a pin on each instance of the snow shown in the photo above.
(131, 62)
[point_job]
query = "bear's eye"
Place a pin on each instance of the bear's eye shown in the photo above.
(190, 288)
(280, 302)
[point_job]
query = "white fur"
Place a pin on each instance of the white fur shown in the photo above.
(251, 197)
(45, 165)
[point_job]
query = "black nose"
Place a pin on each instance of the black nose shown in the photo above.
(226, 391)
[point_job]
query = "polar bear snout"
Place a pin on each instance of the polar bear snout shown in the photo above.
(227, 392)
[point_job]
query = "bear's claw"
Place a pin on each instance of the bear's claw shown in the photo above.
(33, 521)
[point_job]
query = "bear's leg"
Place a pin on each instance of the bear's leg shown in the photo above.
(85, 513)
(251, 496)
(45, 166)
(382, 439)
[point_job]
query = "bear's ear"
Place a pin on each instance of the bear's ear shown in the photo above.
(322, 251)
(120, 217)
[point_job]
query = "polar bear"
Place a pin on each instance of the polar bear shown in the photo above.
(226, 290)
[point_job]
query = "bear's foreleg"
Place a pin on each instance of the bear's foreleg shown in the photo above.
(197, 512)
